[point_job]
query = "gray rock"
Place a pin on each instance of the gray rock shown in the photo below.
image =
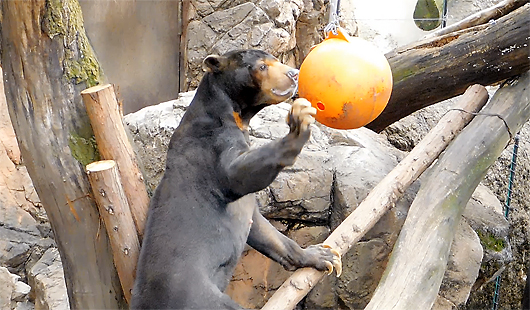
(462, 267)
(150, 129)
(16, 247)
(443, 304)
(20, 291)
(25, 305)
(7, 285)
(47, 280)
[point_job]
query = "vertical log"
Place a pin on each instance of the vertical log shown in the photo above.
(415, 270)
(47, 60)
(104, 113)
(113, 208)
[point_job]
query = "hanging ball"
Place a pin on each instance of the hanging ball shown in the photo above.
(348, 81)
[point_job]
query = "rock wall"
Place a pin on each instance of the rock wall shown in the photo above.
(286, 29)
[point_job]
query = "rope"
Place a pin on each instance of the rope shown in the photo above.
(486, 114)
(506, 212)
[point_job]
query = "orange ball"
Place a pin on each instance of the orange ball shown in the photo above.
(348, 81)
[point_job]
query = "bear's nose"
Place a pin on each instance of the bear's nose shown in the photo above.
(293, 74)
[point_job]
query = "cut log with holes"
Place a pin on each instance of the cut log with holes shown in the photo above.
(113, 144)
(416, 268)
(383, 196)
(439, 68)
(114, 210)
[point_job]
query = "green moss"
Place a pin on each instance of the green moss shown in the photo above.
(83, 150)
(64, 19)
(490, 242)
(403, 73)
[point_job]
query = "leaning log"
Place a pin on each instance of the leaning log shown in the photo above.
(47, 60)
(436, 69)
(382, 197)
(113, 144)
(419, 258)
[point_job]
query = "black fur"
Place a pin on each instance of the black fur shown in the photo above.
(201, 214)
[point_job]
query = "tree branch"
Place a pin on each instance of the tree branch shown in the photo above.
(436, 69)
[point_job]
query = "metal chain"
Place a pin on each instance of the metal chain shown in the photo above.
(333, 22)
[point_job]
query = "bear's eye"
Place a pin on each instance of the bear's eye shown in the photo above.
(263, 67)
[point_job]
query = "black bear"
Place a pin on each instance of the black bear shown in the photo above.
(201, 214)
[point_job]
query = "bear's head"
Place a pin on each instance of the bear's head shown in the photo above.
(252, 78)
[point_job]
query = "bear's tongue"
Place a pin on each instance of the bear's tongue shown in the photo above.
(290, 90)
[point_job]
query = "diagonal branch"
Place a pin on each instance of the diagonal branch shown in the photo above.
(382, 197)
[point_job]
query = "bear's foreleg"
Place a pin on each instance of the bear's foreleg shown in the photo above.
(253, 170)
(266, 239)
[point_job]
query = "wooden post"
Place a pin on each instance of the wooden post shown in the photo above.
(104, 113)
(415, 270)
(113, 209)
(383, 196)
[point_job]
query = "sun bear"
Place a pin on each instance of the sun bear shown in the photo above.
(203, 211)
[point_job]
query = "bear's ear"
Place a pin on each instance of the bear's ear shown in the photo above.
(214, 63)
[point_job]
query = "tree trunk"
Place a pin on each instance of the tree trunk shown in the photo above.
(47, 60)
(436, 69)
(416, 268)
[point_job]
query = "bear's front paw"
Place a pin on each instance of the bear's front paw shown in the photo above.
(301, 116)
(324, 258)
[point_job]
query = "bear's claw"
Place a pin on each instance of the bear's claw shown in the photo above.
(324, 258)
(337, 261)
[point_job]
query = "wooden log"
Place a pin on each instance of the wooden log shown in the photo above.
(436, 69)
(419, 258)
(383, 196)
(113, 143)
(115, 212)
(47, 60)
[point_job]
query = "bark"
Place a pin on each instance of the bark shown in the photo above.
(113, 143)
(47, 61)
(416, 267)
(114, 209)
(443, 67)
(382, 197)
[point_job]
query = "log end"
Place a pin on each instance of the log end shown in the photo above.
(100, 165)
(95, 89)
